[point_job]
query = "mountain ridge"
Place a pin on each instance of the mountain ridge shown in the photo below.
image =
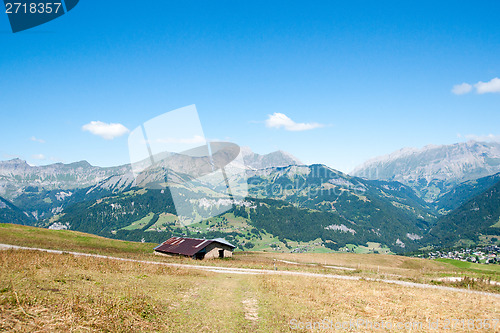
(16, 175)
(434, 169)
(277, 158)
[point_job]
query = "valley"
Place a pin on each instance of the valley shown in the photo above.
(289, 208)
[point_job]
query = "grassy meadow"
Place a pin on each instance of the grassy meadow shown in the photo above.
(69, 241)
(44, 292)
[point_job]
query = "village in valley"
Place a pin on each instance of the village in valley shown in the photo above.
(481, 254)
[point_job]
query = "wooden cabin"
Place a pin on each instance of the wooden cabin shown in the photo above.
(196, 248)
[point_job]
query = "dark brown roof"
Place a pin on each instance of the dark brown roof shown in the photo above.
(186, 246)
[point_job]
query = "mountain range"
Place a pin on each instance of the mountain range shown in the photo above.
(434, 170)
(18, 177)
(412, 200)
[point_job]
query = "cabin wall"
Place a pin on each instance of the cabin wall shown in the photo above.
(213, 251)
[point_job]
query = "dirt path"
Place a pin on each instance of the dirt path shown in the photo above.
(251, 309)
(319, 265)
(461, 278)
(232, 270)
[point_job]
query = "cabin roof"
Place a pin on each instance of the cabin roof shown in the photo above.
(188, 246)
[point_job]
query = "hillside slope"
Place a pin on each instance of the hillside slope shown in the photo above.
(464, 192)
(480, 216)
(150, 215)
(9, 213)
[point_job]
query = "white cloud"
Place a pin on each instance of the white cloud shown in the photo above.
(56, 159)
(484, 138)
(279, 120)
(461, 89)
(39, 157)
(35, 139)
(105, 130)
(493, 86)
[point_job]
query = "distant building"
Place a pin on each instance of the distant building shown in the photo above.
(196, 248)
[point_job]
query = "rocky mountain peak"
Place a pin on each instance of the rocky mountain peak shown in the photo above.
(441, 166)
(274, 159)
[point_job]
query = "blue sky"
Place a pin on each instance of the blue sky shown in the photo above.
(330, 82)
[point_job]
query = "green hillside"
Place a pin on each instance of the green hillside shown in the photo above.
(150, 215)
(477, 217)
(9, 213)
(66, 240)
(463, 192)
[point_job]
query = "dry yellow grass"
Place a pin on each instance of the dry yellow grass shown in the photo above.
(391, 267)
(313, 300)
(42, 292)
(389, 263)
(49, 292)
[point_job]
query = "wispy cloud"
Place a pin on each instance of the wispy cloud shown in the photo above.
(39, 157)
(492, 86)
(483, 138)
(280, 120)
(105, 130)
(35, 139)
(56, 159)
(460, 89)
